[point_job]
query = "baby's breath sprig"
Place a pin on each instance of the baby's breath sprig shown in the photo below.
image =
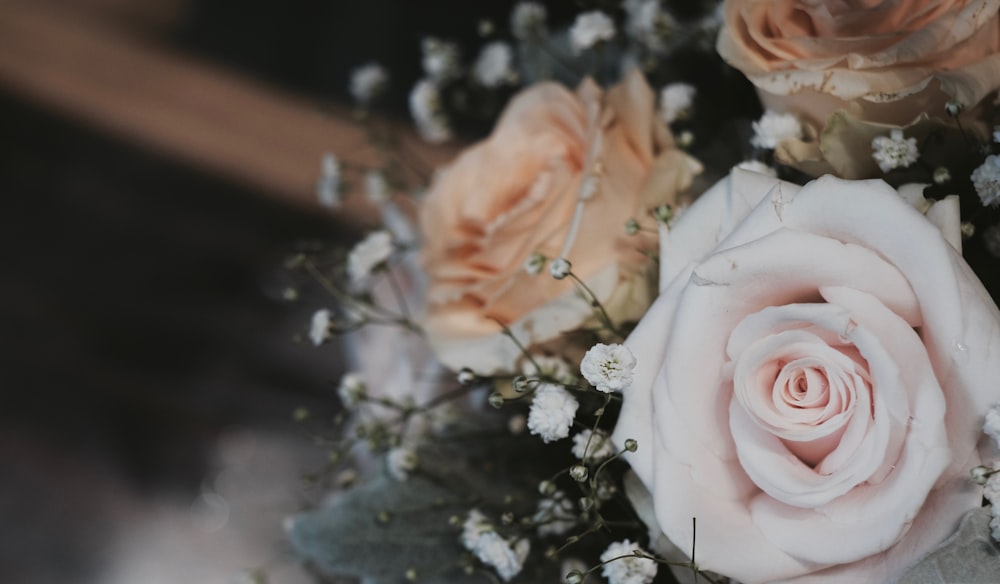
(561, 268)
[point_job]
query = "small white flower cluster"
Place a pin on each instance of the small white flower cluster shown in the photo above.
(352, 390)
(428, 113)
(991, 426)
(368, 254)
(772, 128)
(627, 570)
(329, 185)
(368, 82)
(608, 367)
(401, 461)
(494, 66)
(552, 412)
(440, 59)
(894, 151)
(319, 327)
(648, 23)
(527, 21)
(555, 515)
(991, 491)
(590, 28)
(986, 179)
(676, 100)
(506, 556)
(991, 487)
(592, 446)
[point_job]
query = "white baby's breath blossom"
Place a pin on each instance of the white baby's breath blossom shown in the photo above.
(676, 100)
(506, 556)
(600, 446)
(608, 367)
(773, 127)
(494, 66)
(352, 389)
(941, 175)
(552, 411)
(376, 186)
(648, 23)
(894, 151)
(590, 28)
(368, 82)
(368, 254)
(439, 59)
(627, 570)
(329, 184)
(549, 367)
(555, 515)
(991, 490)
(992, 424)
(986, 179)
(527, 21)
(758, 167)
(401, 461)
(425, 107)
(319, 327)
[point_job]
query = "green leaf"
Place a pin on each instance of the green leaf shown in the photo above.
(351, 539)
(969, 556)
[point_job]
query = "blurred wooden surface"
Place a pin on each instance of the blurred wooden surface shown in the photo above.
(97, 71)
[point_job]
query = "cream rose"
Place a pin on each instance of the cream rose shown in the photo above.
(811, 381)
(881, 63)
(560, 175)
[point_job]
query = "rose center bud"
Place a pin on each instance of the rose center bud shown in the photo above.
(804, 387)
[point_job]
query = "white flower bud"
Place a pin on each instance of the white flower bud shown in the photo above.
(560, 268)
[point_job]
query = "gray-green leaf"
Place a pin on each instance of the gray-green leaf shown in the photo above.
(969, 556)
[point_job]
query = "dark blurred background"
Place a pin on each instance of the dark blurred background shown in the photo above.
(147, 356)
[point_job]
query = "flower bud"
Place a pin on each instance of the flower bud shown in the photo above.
(578, 472)
(496, 400)
(631, 227)
(941, 175)
(574, 577)
(466, 376)
(560, 268)
(981, 474)
(664, 213)
(631, 445)
(534, 264)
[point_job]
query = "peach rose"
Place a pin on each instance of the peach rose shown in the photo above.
(811, 381)
(555, 157)
(884, 62)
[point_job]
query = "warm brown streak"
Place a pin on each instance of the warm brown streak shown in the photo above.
(202, 115)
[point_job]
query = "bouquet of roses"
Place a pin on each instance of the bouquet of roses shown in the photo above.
(606, 368)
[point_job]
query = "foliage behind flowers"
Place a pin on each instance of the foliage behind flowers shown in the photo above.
(817, 366)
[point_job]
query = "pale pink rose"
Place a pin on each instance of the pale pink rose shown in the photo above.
(517, 193)
(811, 381)
(883, 62)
